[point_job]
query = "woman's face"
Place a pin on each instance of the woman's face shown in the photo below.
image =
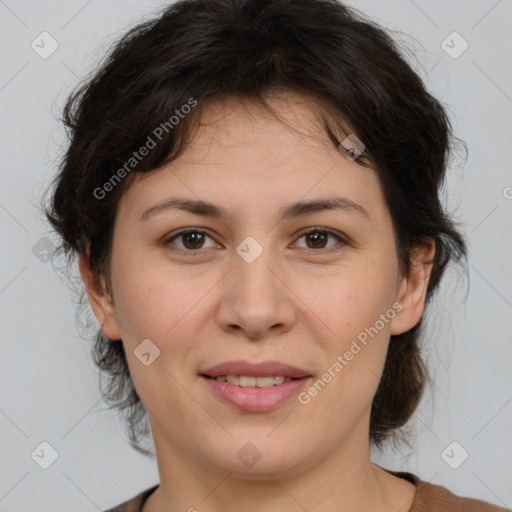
(254, 286)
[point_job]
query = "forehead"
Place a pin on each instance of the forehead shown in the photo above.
(240, 153)
(286, 137)
(231, 121)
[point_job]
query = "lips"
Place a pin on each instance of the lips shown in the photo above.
(264, 369)
(233, 382)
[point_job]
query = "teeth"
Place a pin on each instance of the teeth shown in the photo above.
(246, 381)
(233, 380)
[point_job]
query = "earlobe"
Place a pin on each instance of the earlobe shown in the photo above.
(413, 288)
(101, 302)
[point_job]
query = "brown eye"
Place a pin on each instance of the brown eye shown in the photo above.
(191, 240)
(318, 239)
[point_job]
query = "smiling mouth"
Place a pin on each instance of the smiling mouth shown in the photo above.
(248, 381)
(255, 387)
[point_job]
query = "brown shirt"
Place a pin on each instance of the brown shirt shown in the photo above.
(428, 498)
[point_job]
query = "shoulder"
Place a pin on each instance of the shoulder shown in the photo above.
(436, 498)
(133, 504)
(429, 498)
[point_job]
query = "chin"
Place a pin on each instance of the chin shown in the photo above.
(253, 458)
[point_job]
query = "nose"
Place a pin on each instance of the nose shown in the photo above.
(255, 298)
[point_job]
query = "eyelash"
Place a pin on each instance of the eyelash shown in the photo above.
(167, 241)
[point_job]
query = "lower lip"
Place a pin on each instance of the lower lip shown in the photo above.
(256, 399)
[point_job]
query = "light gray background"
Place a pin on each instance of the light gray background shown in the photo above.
(48, 385)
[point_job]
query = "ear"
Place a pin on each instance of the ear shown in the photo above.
(413, 289)
(101, 302)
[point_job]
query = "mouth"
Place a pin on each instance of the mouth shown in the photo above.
(242, 368)
(255, 386)
(249, 381)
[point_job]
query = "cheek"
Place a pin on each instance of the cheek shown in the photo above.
(154, 304)
(355, 301)
(152, 301)
(353, 359)
(358, 309)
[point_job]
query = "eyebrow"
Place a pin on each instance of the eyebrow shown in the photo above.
(207, 209)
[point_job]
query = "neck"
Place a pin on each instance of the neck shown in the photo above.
(345, 480)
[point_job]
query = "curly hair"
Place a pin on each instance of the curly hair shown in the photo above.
(359, 82)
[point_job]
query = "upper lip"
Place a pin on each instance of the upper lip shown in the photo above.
(264, 369)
